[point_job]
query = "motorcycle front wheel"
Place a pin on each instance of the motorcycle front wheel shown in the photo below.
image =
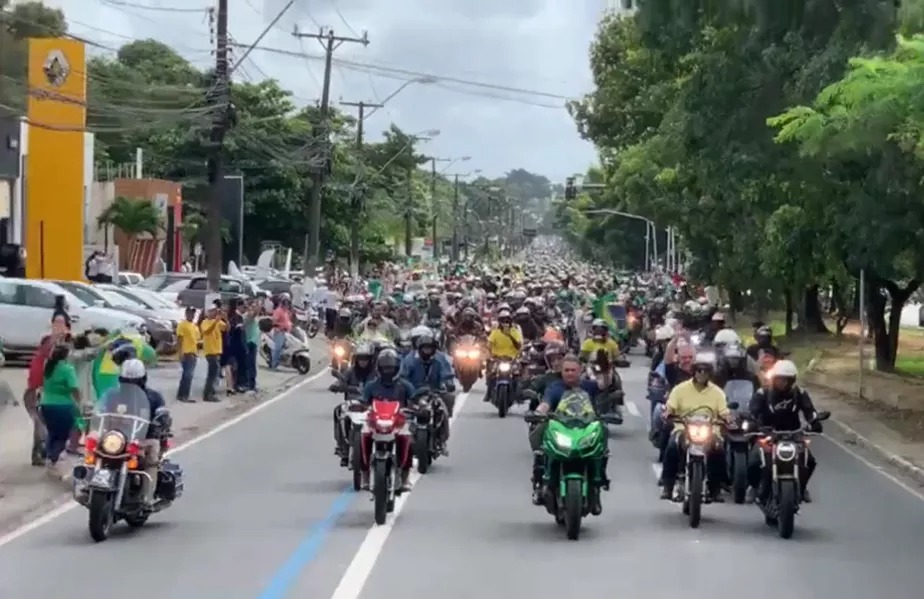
(100, 516)
(574, 508)
(422, 451)
(695, 492)
(380, 491)
(502, 399)
(786, 521)
(739, 476)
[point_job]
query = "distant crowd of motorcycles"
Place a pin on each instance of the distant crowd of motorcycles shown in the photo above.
(428, 335)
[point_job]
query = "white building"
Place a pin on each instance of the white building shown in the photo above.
(622, 7)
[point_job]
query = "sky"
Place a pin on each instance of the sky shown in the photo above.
(539, 46)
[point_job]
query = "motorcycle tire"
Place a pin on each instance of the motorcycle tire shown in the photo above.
(422, 451)
(574, 508)
(356, 460)
(100, 516)
(695, 496)
(786, 520)
(502, 399)
(302, 364)
(266, 354)
(311, 331)
(380, 492)
(739, 476)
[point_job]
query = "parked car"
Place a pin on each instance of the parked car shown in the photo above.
(130, 278)
(26, 306)
(275, 286)
(161, 281)
(161, 330)
(150, 300)
(229, 287)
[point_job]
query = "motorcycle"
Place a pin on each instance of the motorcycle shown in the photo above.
(384, 419)
(109, 482)
(404, 343)
(575, 446)
(467, 360)
(788, 451)
(699, 438)
(308, 320)
(347, 430)
(295, 353)
(504, 375)
(341, 355)
(737, 439)
(425, 420)
(657, 397)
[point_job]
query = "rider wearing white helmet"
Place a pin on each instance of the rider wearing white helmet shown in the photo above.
(133, 373)
(779, 407)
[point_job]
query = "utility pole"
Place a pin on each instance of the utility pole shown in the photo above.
(454, 254)
(358, 193)
(330, 42)
(433, 161)
(219, 97)
(408, 217)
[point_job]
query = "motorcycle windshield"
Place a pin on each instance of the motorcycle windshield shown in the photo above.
(125, 409)
(739, 391)
(576, 409)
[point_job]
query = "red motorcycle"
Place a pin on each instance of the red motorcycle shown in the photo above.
(385, 450)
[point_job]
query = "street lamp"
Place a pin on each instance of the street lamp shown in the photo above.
(651, 231)
(433, 175)
(420, 81)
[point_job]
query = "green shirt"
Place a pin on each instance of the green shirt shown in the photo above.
(58, 389)
(252, 331)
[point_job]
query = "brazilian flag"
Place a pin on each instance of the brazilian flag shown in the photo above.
(608, 308)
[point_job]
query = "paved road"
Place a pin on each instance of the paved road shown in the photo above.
(266, 517)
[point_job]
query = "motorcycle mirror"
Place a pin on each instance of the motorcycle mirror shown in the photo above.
(733, 405)
(334, 388)
(822, 415)
(337, 375)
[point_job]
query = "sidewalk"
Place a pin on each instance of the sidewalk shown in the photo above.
(26, 490)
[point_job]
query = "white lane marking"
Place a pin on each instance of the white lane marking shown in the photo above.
(358, 572)
(633, 409)
(70, 505)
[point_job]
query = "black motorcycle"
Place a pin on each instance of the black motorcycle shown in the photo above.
(110, 482)
(788, 453)
(425, 419)
(504, 376)
(738, 439)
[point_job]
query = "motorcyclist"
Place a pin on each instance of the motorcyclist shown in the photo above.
(716, 324)
(697, 394)
(763, 340)
(553, 355)
(504, 342)
(468, 323)
(570, 381)
(434, 309)
(779, 407)
(599, 339)
(360, 372)
(663, 335)
(343, 325)
(527, 324)
(377, 327)
(429, 367)
(133, 372)
(733, 361)
(387, 385)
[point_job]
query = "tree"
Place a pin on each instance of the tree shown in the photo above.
(133, 217)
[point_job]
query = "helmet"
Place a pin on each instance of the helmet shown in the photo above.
(718, 317)
(598, 322)
(664, 333)
(765, 332)
(784, 369)
(726, 336)
(387, 365)
(345, 313)
(364, 350)
(426, 341)
(704, 360)
(133, 370)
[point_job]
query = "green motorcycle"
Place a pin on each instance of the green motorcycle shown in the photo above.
(575, 446)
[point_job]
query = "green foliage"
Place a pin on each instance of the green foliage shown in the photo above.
(782, 140)
(131, 216)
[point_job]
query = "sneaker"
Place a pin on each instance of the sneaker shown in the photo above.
(667, 492)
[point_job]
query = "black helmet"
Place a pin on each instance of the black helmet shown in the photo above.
(387, 365)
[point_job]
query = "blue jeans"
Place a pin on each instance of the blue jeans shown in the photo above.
(279, 342)
(59, 422)
(251, 379)
(211, 375)
(188, 365)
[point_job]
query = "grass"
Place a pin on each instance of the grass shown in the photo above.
(803, 348)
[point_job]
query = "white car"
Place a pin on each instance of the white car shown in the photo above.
(26, 306)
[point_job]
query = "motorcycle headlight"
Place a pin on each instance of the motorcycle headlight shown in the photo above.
(460, 354)
(503, 367)
(786, 451)
(112, 443)
(745, 425)
(474, 354)
(339, 351)
(385, 425)
(699, 433)
(563, 441)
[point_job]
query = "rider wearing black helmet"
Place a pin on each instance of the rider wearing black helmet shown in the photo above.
(361, 371)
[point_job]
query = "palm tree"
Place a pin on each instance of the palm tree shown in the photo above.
(132, 217)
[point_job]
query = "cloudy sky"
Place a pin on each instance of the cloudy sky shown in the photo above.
(537, 46)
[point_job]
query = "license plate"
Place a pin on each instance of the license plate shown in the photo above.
(102, 478)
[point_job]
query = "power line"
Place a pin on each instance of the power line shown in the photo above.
(153, 8)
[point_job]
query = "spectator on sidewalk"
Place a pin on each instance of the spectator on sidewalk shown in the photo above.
(234, 348)
(282, 324)
(188, 336)
(252, 336)
(212, 328)
(59, 405)
(30, 400)
(60, 319)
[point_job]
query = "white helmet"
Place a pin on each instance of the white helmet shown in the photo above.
(420, 331)
(785, 369)
(664, 333)
(132, 369)
(727, 337)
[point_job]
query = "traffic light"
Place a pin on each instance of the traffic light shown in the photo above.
(570, 189)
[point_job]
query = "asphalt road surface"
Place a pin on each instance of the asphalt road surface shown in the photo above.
(266, 515)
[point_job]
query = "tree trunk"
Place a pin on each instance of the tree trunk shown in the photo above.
(813, 321)
(787, 294)
(885, 333)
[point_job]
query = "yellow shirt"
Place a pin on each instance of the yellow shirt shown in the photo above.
(211, 336)
(686, 398)
(501, 343)
(188, 334)
(591, 346)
